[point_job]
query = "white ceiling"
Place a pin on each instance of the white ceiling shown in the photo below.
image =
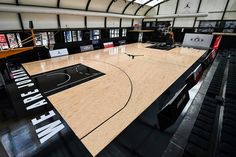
(10, 20)
(152, 3)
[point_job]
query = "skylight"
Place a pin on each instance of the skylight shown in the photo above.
(141, 1)
(152, 3)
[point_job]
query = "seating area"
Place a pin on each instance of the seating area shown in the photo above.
(170, 112)
(108, 44)
(228, 132)
(215, 127)
(40, 53)
(86, 48)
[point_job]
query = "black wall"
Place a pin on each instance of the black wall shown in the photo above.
(228, 42)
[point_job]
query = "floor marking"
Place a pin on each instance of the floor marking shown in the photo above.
(131, 91)
(69, 77)
(70, 83)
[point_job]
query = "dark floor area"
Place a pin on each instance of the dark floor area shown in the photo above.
(213, 133)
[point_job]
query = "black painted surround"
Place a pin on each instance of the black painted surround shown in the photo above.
(21, 126)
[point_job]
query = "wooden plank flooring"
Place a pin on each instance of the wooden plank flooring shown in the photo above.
(98, 110)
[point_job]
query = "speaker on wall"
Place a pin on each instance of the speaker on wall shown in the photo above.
(31, 26)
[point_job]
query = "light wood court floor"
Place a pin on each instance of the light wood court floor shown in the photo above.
(98, 110)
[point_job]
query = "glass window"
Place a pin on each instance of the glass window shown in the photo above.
(91, 35)
(19, 39)
(207, 24)
(41, 39)
(230, 24)
(3, 42)
(111, 33)
(74, 35)
(68, 36)
(51, 38)
(148, 2)
(154, 24)
(95, 34)
(12, 40)
(45, 38)
(152, 3)
(79, 35)
(38, 39)
(114, 33)
(228, 30)
(124, 32)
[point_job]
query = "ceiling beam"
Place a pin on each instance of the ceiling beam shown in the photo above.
(58, 3)
(107, 10)
(58, 16)
(85, 17)
(21, 22)
(178, 15)
(195, 19)
(132, 23)
(176, 8)
(120, 22)
(154, 7)
(53, 10)
(109, 6)
(226, 6)
(150, 9)
(87, 5)
(135, 13)
(19, 17)
(158, 9)
(132, 2)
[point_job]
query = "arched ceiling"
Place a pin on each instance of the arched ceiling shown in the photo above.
(73, 4)
(122, 7)
(99, 5)
(47, 3)
(106, 13)
(118, 6)
(132, 7)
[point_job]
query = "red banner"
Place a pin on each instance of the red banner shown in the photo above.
(217, 42)
(2, 38)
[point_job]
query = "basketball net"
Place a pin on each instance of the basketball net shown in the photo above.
(51, 47)
(137, 27)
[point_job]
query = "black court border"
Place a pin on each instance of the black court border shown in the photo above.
(82, 149)
(131, 91)
(167, 49)
(47, 93)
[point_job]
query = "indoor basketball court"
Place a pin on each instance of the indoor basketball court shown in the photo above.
(117, 78)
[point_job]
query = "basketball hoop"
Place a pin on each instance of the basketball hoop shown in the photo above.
(51, 47)
(137, 27)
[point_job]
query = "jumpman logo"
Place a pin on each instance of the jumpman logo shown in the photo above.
(187, 6)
